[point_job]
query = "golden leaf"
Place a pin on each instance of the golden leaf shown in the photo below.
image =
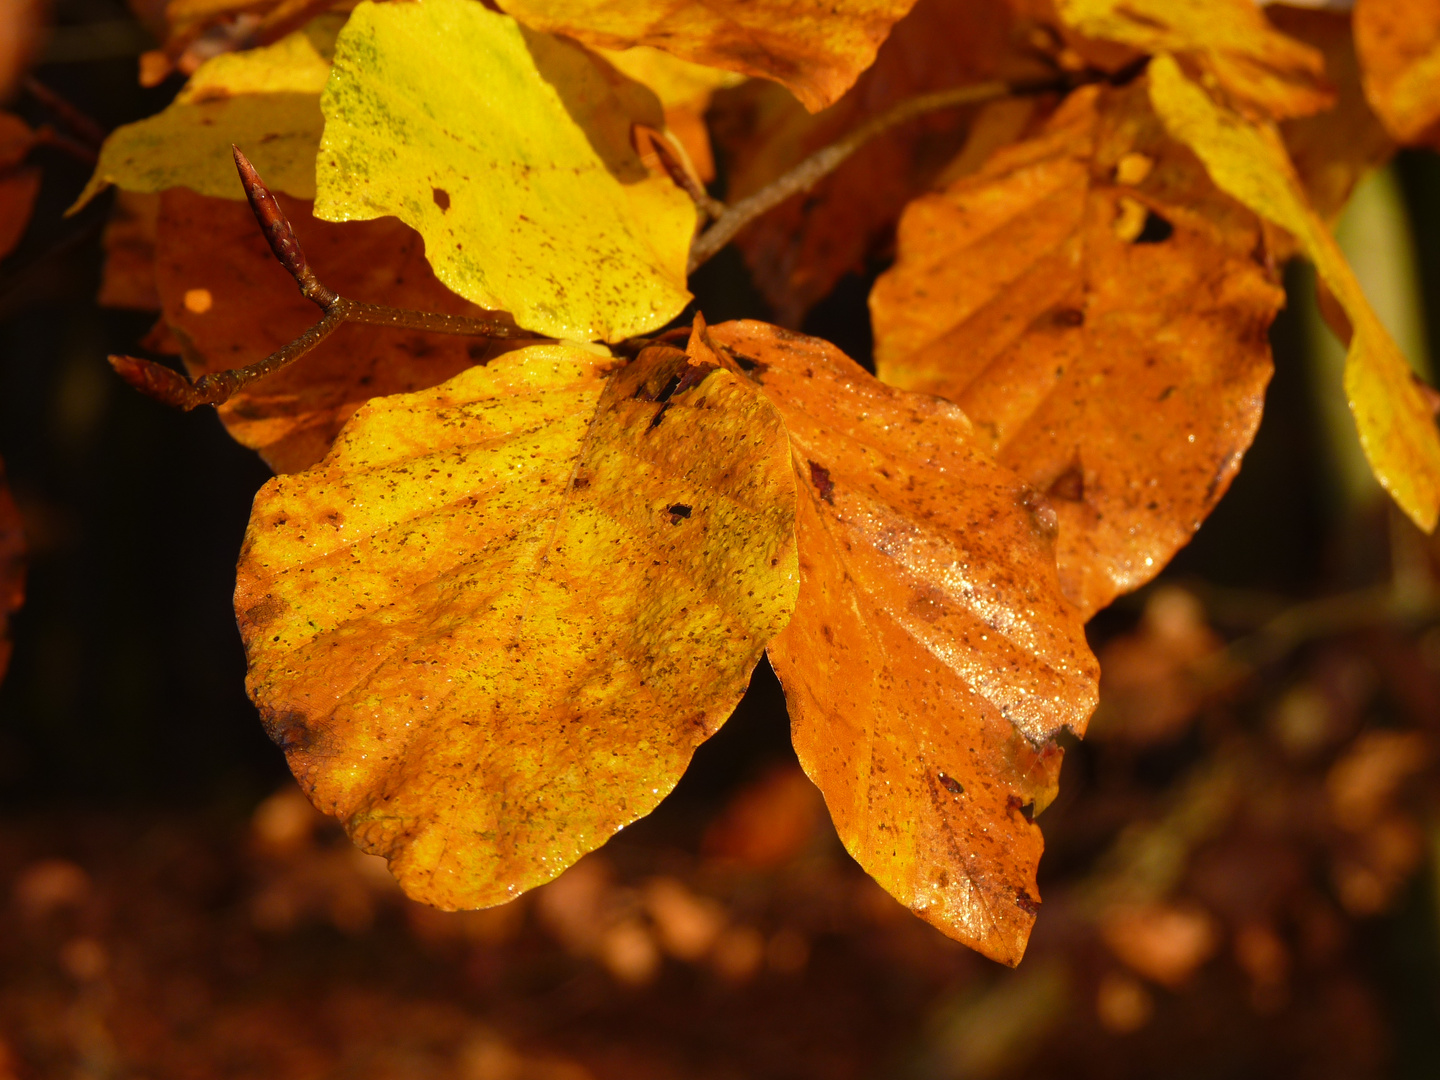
(814, 47)
(932, 658)
(1097, 308)
(266, 100)
(1248, 161)
(491, 627)
(230, 302)
(518, 171)
(1230, 41)
(1399, 46)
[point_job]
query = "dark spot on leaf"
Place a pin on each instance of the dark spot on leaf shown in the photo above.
(659, 413)
(950, 784)
(581, 483)
(289, 730)
(820, 478)
(265, 612)
(1026, 903)
(1041, 512)
(1164, 394)
(748, 364)
(441, 197)
(1156, 229)
(678, 513)
(1069, 485)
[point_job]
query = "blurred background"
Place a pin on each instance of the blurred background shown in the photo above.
(1240, 876)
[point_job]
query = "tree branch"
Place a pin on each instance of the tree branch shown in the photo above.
(826, 160)
(171, 387)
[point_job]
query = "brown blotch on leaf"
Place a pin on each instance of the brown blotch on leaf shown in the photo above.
(820, 479)
(950, 784)
(441, 197)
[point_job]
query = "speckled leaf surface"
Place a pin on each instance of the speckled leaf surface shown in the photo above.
(932, 657)
(491, 627)
(510, 152)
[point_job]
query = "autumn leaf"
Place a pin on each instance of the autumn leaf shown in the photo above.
(799, 251)
(518, 172)
(490, 628)
(1332, 150)
(12, 567)
(1099, 310)
(266, 100)
(816, 48)
(931, 659)
(19, 183)
(127, 279)
(1248, 161)
(1399, 46)
(1230, 41)
(224, 295)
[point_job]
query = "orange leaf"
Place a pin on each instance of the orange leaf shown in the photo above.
(1399, 46)
(19, 183)
(814, 47)
(1096, 307)
(931, 659)
(801, 249)
(1332, 150)
(491, 627)
(128, 277)
(12, 567)
(223, 292)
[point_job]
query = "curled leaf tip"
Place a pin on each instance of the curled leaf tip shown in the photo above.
(157, 381)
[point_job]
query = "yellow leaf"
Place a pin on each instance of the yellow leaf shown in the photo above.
(509, 151)
(817, 48)
(676, 82)
(1248, 160)
(932, 658)
(266, 101)
(1230, 40)
(491, 627)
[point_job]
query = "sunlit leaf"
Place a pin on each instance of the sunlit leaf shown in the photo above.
(1099, 310)
(800, 250)
(491, 627)
(266, 100)
(814, 47)
(12, 567)
(1248, 160)
(518, 170)
(932, 658)
(1399, 46)
(1229, 40)
(231, 304)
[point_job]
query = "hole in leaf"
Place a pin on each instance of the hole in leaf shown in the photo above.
(678, 513)
(1156, 229)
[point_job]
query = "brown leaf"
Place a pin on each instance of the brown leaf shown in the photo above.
(1333, 149)
(227, 298)
(19, 183)
(816, 48)
(931, 659)
(800, 250)
(1099, 310)
(12, 567)
(492, 626)
(1399, 46)
(128, 277)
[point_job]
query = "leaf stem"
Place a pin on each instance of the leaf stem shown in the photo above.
(827, 159)
(169, 386)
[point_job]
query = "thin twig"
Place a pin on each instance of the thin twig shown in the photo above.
(80, 123)
(171, 387)
(825, 161)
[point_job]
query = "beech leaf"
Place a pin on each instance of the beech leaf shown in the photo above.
(491, 627)
(1098, 309)
(266, 100)
(509, 150)
(230, 304)
(816, 48)
(931, 659)
(1230, 40)
(1248, 161)
(1399, 46)
(12, 567)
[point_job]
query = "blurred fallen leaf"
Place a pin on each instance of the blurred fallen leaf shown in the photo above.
(1399, 46)
(1164, 943)
(768, 822)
